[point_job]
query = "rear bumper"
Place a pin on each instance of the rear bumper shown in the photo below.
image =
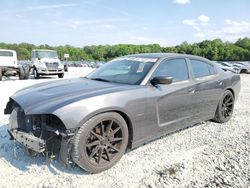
(28, 140)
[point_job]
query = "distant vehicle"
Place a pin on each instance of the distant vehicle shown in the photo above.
(9, 65)
(228, 67)
(244, 66)
(65, 65)
(99, 64)
(46, 62)
(123, 104)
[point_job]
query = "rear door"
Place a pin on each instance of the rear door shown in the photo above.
(172, 103)
(208, 89)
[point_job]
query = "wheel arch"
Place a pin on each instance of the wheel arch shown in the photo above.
(243, 71)
(231, 90)
(130, 128)
(122, 113)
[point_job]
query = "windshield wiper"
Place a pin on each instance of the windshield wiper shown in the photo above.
(100, 79)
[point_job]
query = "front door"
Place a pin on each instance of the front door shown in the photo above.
(173, 103)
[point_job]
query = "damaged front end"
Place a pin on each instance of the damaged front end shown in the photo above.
(42, 133)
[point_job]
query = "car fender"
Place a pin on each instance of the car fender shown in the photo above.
(103, 110)
(74, 115)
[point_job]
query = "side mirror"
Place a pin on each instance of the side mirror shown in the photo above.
(161, 80)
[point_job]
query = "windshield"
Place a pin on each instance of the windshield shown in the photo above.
(46, 54)
(124, 70)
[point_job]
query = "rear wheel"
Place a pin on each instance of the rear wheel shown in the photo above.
(100, 142)
(27, 72)
(243, 71)
(61, 75)
(225, 108)
(21, 73)
(66, 68)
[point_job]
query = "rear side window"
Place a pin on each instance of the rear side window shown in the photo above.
(200, 68)
(6, 54)
(175, 68)
(211, 69)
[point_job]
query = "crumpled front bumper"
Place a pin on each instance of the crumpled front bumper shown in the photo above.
(50, 140)
(28, 140)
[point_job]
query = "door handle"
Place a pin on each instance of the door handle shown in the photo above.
(219, 82)
(191, 90)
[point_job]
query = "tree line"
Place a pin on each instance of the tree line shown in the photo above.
(215, 50)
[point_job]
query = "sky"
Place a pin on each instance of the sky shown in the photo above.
(93, 22)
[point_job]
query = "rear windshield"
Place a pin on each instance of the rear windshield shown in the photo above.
(6, 53)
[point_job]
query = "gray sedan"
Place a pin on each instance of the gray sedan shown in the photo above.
(127, 102)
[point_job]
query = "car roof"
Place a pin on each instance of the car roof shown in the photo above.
(165, 55)
(7, 50)
(44, 50)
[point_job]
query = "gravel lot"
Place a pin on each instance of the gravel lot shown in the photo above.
(205, 155)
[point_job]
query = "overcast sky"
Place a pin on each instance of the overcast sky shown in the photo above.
(88, 22)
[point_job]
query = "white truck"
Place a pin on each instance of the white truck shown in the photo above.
(9, 65)
(46, 62)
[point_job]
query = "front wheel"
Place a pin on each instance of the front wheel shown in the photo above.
(100, 142)
(36, 74)
(225, 107)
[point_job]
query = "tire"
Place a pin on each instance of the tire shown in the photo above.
(225, 107)
(66, 68)
(61, 75)
(105, 133)
(1, 74)
(21, 73)
(27, 73)
(36, 74)
(243, 71)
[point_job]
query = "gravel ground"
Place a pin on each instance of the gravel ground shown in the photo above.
(205, 155)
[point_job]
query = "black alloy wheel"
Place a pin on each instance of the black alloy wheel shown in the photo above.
(225, 107)
(104, 142)
(100, 142)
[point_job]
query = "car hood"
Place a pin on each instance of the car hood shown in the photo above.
(49, 96)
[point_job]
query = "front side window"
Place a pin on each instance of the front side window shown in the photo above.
(6, 54)
(200, 68)
(211, 69)
(126, 70)
(175, 68)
